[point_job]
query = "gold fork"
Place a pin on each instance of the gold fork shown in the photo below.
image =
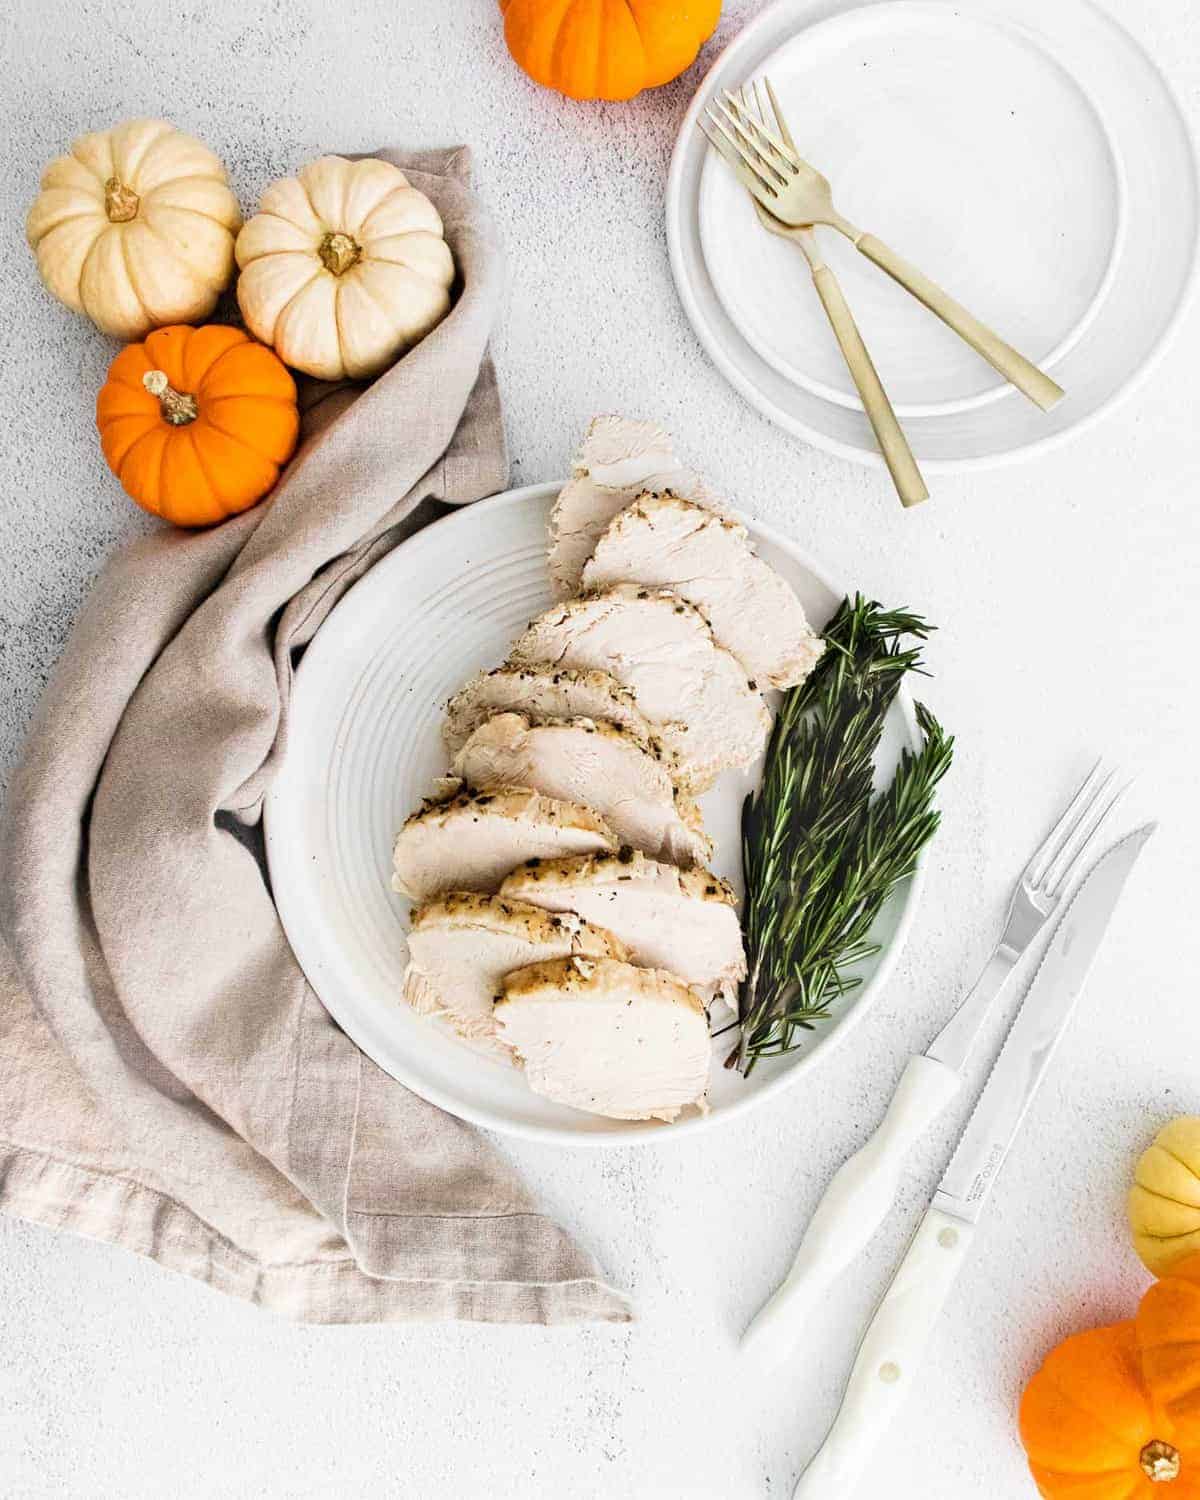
(893, 445)
(796, 194)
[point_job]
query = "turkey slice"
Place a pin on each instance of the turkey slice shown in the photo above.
(696, 695)
(461, 946)
(541, 691)
(618, 459)
(592, 761)
(684, 921)
(603, 1036)
(469, 842)
(707, 559)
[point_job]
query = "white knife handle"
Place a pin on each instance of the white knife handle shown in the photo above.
(854, 1205)
(886, 1367)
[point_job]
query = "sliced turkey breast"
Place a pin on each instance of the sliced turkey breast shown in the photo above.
(684, 921)
(461, 946)
(588, 759)
(471, 841)
(619, 459)
(696, 694)
(606, 1037)
(707, 560)
(541, 691)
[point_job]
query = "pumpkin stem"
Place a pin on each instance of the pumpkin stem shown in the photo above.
(178, 407)
(1160, 1462)
(339, 252)
(120, 203)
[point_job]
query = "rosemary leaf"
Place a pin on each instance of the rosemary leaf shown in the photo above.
(821, 852)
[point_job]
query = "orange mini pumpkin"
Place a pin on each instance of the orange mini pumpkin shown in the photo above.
(197, 422)
(607, 49)
(1114, 1413)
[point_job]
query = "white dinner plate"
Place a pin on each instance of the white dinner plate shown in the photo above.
(1021, 153)
(364, 746)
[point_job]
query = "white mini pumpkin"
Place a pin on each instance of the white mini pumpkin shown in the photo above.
(135, 228)
(343, 268)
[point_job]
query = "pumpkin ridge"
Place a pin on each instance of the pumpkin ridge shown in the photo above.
(86, 213)
(1069, 1399)
(266, 455)
(236, 437)
(337, 318)
(113, 445)
(210, 368)
(129, 168)
(218, 498)
(265, 213)
(129, 276)
(319, 270)
(363, 284)
(188, 176)
(1187, 1166)
(1191, 1345)
(245, 396)
(151, 434)
(1057, 1471)
(165, 510)
(87, 260)
(631, 11)
(560, 43)
(1183, 1233)
(198, 276)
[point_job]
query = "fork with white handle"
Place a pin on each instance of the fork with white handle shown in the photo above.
(860, 1194)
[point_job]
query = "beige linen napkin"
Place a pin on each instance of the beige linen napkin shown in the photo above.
(168, 1081)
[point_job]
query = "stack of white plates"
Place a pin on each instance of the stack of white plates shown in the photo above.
(1028, 156)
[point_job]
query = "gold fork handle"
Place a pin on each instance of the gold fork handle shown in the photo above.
(888, 434)
(1023, 373)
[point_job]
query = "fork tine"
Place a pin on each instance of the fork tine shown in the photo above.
(1052, 845)
(787, 156)
(749, 145)
(739, 157)
(752, 134)
(780, 123)
(750, 101)
(758, 187)
(1097, 814)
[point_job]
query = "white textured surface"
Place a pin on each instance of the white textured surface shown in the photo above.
(1065, 591)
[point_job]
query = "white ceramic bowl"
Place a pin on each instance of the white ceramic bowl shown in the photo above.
(364, 745)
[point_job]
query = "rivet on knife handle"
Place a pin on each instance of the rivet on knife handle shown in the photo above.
(855, 1203)
(889, 1357)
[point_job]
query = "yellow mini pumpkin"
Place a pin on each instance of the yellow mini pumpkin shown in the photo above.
(196, 423)
(1164, 1202)
(343, 268)
(607, 49)
(134, 228)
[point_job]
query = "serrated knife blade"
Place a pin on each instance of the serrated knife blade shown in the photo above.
(1047, 1007)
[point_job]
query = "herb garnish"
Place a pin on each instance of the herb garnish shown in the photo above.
(821, 855)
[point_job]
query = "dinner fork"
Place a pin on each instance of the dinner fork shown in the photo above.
(797, 194)
(893, 445)
(860, 1193)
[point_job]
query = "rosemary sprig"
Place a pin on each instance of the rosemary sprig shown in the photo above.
(822, 854)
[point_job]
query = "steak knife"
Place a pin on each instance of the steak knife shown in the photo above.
(886, 1367)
